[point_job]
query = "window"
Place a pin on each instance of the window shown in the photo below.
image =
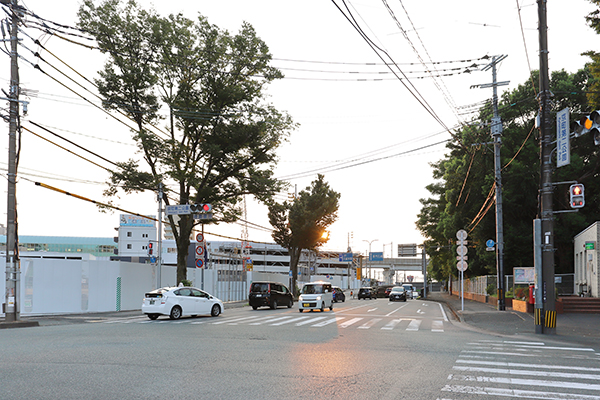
(128, 246)
(128, 234)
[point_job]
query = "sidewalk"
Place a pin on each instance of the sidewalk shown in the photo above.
(579, 328)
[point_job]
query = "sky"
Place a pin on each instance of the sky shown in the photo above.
(371, 134)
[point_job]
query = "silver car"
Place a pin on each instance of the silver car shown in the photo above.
(180, 301)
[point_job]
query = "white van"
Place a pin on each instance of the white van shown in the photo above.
(316, 296)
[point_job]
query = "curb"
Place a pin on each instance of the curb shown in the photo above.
(18, 324)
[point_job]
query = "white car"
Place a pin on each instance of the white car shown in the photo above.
(179, 301)
(316, 296)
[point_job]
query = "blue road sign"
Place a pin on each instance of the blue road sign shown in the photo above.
(376, 256)
(345, 257)
(490, 243)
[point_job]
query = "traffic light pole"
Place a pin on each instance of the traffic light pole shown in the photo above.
(545, 309)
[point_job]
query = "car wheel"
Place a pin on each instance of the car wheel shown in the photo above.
(215, 310)
(175, 312)
(344, 300)
(300, 310)
(152, 316)
(322, 308)
(254, 307)
(290, 303)
(274, 305)
(331, 307)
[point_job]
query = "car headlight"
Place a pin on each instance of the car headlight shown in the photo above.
(300, 298)
(318, 297)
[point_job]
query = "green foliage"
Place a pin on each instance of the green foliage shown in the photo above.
(463, 195)
(300, 224)
(221, 135)
(186, 282)
(490, 290)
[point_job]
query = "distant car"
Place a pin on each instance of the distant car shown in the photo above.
(338, 294)
(387, 292)
(269, 294)
(409, 290)
(398, 293)
(366, 293)
(177, 302)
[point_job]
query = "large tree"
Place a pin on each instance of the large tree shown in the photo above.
(206, 86)
(301, 224)
(463, 197)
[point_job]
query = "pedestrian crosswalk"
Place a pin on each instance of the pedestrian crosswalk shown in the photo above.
(312, 321)
(524, 370)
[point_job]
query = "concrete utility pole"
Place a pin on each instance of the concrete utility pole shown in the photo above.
(159, 255)
(545, 316)
(11, 305)
(496, 135)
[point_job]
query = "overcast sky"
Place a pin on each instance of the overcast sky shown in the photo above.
(373, 138)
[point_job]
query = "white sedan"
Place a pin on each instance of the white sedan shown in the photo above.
(179, 301)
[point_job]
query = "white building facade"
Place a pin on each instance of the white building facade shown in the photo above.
(586, 261)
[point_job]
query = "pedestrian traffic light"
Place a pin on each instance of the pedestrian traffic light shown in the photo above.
(150, 248)
(590, 123)
(576, 195)
(200, 208)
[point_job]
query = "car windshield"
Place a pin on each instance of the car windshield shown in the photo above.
(312, 289)
(398, 289)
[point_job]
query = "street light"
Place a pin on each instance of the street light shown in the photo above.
(369, 255)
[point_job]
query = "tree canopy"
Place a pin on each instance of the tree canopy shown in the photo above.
(300, 224)
(463, 195)
(196, 94)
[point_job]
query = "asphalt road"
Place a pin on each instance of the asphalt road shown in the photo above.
(363, 349)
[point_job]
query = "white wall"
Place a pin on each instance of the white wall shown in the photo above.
(586, 261)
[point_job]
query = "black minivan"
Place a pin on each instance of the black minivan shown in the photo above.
(269, 294)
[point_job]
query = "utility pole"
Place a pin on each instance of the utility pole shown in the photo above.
(545, 316)
(11, 305)
(497, 137)
(159, 255)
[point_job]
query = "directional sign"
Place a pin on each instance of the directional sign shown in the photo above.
(462, 266)
(179, 209)
(199, 263)
(345, 257)
(376, 256)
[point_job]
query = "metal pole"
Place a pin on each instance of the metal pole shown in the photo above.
(159, 255)
(424, 266)
(547, 315)
(12, 247)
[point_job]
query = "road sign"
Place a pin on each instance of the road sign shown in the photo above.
(345, 257)
(178, 209)
(199, 250)
(152, 259)
(407, 250)
(462, 250)
(199, 263)
(490, 243)
(203, 216)
(200, 237)
(461, 235)
(462, 266)
(376, 256)
(458, 258)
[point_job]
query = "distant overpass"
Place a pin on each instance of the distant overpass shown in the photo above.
(397, 264)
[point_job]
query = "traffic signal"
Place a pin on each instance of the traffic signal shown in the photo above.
(576, 195)
(200, 208)
(591, 124)
(150, 248)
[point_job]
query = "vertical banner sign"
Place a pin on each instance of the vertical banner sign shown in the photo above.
(563, 147)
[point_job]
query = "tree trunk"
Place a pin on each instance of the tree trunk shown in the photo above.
(183, 245)
(294, 258)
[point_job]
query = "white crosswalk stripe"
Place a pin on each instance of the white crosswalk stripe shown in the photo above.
(320, 320)
(506, 369)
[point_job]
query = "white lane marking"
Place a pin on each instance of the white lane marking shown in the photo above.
(437, 326)
(270, 320)
(391, 325)
(525, 382)
(522, 372)
(309, 321)
(414, 325)
(443, 312)
(520, 394)
(397, 309)
(230, 320)
(289, 321)
(535, 366)
(327, 322)
(372, 309)
(369, 324)
(349, 322)
(420, 312)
